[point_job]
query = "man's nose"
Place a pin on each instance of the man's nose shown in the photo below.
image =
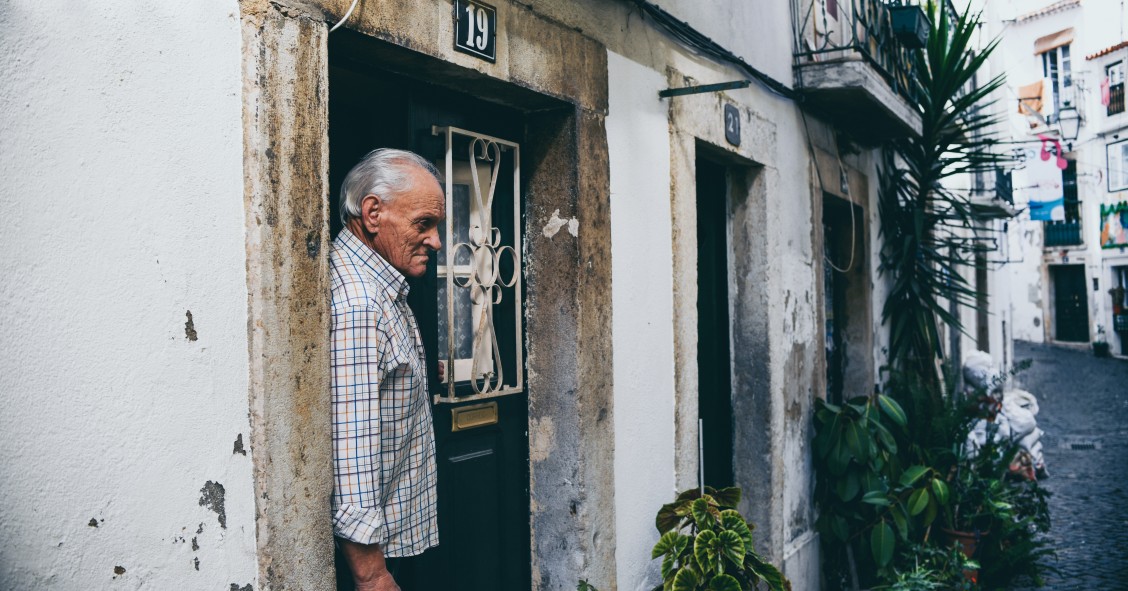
(433, 241)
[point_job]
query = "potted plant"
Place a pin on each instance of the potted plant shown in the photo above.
(706, 545)
(1117, 294)
(910, 24)
(979, 499)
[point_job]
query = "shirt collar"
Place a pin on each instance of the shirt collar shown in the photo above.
(383, 273)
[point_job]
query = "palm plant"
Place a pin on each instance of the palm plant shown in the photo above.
(927, 226)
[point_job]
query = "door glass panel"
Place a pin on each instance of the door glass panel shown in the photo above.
(463, 332)
(478, 270)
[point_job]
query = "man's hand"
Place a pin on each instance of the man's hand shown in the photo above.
(384, 583)
(369, 571)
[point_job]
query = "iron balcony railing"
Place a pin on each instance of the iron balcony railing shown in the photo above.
(1063, 233)
(1115, 99)
(839, 30)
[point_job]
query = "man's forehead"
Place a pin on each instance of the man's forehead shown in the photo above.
(425, 194)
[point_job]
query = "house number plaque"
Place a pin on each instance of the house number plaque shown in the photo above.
(732, 125)
(475, 29)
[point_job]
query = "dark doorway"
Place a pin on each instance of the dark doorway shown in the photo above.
(483, 472)
(845, 298)
(714, 360)
(1071, 303)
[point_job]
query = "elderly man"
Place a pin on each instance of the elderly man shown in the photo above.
(383, 442)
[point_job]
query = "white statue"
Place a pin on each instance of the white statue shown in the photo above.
(1014, 413)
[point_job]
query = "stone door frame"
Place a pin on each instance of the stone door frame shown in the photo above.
(286, 196)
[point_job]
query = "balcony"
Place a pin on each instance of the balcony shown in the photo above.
(996, 203)
(1062, 234)
(852, 70)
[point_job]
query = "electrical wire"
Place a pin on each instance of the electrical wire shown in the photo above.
(822, 190)
(685, 33)
(853, 241)
(348, 13)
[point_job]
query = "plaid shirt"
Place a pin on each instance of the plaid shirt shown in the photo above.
(383, 440)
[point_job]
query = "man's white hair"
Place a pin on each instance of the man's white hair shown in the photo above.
(384, 172)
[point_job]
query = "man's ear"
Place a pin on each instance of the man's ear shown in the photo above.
(370, 210)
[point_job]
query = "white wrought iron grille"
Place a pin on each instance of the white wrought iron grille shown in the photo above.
(471, 286)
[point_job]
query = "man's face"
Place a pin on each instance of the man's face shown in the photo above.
(408, 225)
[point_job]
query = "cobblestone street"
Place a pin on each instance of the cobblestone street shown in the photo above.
(1084, 413)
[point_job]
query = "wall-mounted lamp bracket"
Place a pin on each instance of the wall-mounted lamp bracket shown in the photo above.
(669, 92)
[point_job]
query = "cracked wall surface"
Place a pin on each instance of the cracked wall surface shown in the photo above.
(124, 378)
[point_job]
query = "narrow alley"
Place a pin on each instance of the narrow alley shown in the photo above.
(1084, 413)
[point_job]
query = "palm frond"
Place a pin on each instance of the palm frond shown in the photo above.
(926, 228)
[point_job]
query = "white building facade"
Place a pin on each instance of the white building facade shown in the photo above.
(1065, 65)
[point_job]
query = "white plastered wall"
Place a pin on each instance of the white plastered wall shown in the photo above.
(122, 201)
(642, 270)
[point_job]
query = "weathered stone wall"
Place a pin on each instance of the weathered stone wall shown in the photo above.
(285, 154)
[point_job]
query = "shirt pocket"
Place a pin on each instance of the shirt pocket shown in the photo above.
(401, 383)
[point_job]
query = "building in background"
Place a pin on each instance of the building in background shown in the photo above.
(1065, 63)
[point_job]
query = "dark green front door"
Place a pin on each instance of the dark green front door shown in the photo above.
(1071, 303)
(482, 444)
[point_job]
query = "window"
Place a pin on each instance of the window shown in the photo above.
(1117, 155)
(1069, 192)
(1114, 78)
(1066, 232)
(1056, 67)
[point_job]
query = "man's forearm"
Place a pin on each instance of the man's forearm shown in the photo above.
(366, 561)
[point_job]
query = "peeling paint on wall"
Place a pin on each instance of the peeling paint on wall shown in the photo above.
(247, 587)
(555, 223)
(211, 496)
(542, 438)
(239, 449)
(189, 327)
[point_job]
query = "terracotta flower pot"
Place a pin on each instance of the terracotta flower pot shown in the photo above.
(968, 543)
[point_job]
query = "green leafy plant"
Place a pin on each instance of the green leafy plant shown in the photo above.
(1019, 550)
(707, 545)
(980, 493)
(1008, 515)
(874, 492)
(929, 566)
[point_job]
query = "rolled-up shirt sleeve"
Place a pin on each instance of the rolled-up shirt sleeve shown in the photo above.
(358, 364)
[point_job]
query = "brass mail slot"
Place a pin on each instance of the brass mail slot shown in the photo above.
(469, 417)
